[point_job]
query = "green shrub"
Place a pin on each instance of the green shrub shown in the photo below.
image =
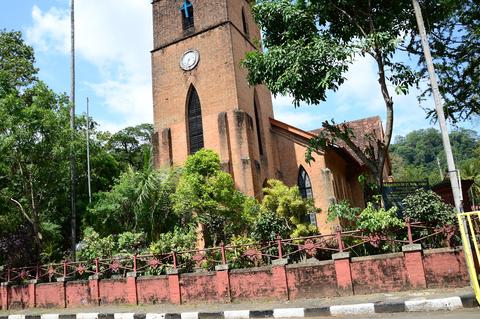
(427, 207)
(94, 246)
(283, 211)
(234, 255)
(205, 194)
(130, 243)
(378, 220)
(179, 240)
(51, 245)
(345, 213)
(267, 226)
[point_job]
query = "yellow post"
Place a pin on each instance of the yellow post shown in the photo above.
(468, 235)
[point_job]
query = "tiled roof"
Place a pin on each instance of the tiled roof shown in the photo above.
(361, 128)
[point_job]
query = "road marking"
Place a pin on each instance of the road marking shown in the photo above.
(189, 315)
(359, 309)
(237, 314)
(289, 313)
(452, 303)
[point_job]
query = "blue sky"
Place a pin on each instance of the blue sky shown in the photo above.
(114, 39)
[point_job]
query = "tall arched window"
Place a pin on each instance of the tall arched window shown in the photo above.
(195, 126)
(304, 184)
(244, 22)
(187, 15)
(257, 124)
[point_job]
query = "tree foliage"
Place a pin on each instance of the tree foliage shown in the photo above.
(34, 138)
(371, 219)
(415, 155)
(455, 42)
(132, 145)
(17, 60)
(139, 201)
(207, 195)
(428, 207)
(289, 208)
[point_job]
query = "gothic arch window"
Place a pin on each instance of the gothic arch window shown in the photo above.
(304, 184)
(195, 126)
(257, 124)
(187, 15)
(244, 22)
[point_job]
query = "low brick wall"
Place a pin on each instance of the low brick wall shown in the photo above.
(411, 269)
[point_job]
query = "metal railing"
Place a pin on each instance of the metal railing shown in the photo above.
(359, 242)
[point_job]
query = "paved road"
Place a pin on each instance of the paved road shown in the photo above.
(462, 314)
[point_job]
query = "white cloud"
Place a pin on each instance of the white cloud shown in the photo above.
(283, 101)
(361, 87)
(114, 36)
(50, 30)
(303, 120)
(137, 99)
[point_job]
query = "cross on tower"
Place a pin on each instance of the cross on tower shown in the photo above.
(185, 7)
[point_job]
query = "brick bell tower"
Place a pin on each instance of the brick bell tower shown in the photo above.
(200, 92)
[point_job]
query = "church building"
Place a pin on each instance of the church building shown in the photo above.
(202, 100)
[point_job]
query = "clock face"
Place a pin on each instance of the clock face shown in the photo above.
(189, 60)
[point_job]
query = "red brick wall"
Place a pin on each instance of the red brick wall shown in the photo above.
(152, 290)
(439, 268)
(445, 268)
(311, 281)
(379, 274)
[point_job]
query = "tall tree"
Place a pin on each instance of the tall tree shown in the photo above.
(17, 60)
(310, 45)
(132, 145)
(33, 131)
(34, 140)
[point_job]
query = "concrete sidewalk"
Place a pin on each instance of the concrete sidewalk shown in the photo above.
(424, 300)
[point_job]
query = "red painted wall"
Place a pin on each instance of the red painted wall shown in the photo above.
(78, 293)
(198, 287)
(445, 268)
(379, 274)
(50, 295)
(439, 268)
(310, 281)
(248, 284)
(113, 291)
(18, 297)
(152, 290)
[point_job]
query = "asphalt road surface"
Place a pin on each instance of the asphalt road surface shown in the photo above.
(462, 314)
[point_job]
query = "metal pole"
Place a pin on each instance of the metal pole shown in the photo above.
(454, 180)
(73, 168)
(88, 155)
